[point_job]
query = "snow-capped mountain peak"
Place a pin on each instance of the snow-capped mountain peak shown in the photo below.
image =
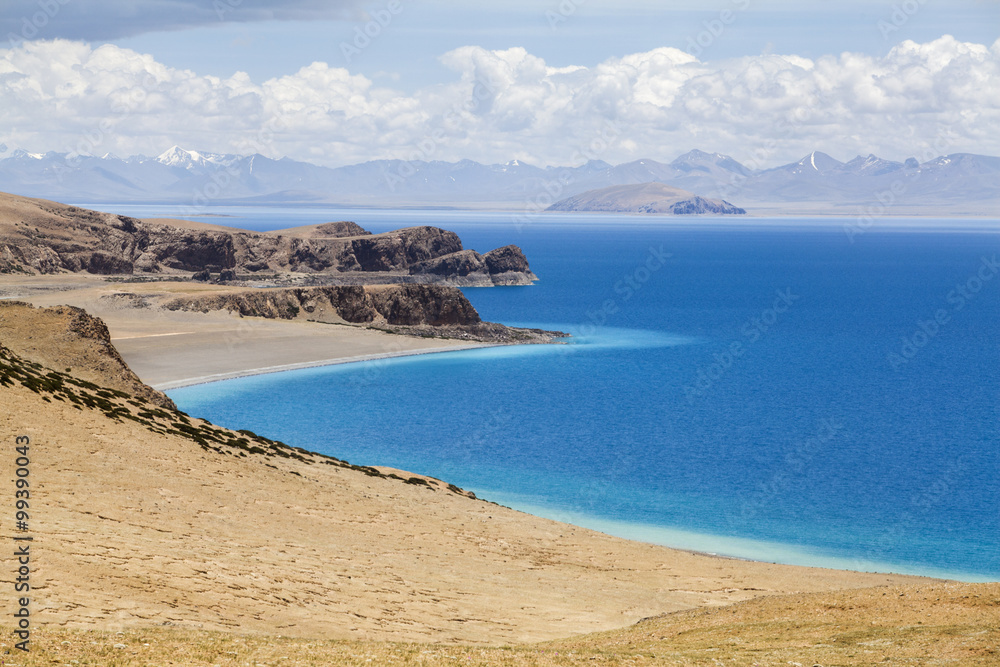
(175, 156)
(21, 153)
(871, 165)
(814, 163)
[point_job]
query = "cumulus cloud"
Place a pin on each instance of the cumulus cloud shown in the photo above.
(920, 99)
(113, 19)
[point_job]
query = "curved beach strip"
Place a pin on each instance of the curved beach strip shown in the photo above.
(265, 370)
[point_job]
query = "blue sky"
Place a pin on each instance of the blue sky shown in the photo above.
(223, 40)
(564, 69)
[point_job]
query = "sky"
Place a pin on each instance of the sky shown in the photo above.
(551, 82)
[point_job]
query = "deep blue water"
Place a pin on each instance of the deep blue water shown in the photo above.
(767, 390)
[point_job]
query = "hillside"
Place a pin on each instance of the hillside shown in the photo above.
(44, 237)
(69, 338)
(146, 518)
(648, 198)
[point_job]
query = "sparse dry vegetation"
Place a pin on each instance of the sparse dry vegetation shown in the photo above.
(939, 624)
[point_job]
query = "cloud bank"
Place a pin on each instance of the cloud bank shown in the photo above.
(933, 98)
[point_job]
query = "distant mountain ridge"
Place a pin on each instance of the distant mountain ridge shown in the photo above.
(199, 179)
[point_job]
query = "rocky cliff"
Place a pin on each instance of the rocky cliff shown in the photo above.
(68, 339)
(503, 266)
(422, 310)
(38, 236)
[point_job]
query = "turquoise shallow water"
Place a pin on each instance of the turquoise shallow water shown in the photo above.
(777, 392)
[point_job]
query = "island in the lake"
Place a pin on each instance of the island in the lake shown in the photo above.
(647, 198)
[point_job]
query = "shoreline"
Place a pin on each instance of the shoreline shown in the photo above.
(320, 363)
(649, 534)
(722, 546)
(172, 350)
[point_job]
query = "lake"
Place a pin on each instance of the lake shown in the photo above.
(802, 391)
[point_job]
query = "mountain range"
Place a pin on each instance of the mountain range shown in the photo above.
(957, 183)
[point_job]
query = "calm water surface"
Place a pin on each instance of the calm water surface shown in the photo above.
(765, 389)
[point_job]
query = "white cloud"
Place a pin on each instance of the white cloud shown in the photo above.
(938, 97)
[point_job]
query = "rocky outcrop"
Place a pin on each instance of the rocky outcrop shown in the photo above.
(406, 305)
(421, 310)
(647, 198)
(44, 237)
(340, 230)
(701, 206)
(467, 268)
(70, 339)
(508, 266)
(461, 264)
(396, 251)
(415, 305)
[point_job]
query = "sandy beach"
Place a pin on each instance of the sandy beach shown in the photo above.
(170, 349)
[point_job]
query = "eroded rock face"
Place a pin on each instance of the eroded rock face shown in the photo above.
(406, 305)
(341, 229)
(509, 266)
(467, 268)
(413, 305)
(462, 264)
(416, 310)
(701, 206)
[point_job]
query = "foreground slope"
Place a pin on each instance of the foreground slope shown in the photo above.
(144, 517)
(928, 624)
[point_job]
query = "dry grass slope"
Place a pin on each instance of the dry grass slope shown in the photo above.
(162, 539)
(939, 624)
